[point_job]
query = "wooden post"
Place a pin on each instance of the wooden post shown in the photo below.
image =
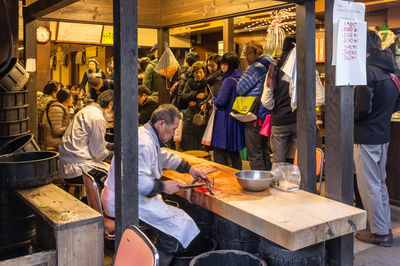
(163, 91)
(126, 118)
(30, 44)
(339, 130)
(13, 15)
(229, 45)
(306, 128)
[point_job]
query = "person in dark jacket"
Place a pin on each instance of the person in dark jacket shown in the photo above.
(252, 84)
(228, 134)
(195, 93)
(283, 119)
(98, 85)
(150, 77)
(147, 104)
(373, 107)
(185, 74)
(93, 65)
(214, 73)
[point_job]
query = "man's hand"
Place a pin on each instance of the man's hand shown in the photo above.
(171, 186)
(198, 175)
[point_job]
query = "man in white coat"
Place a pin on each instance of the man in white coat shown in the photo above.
(175, 228)
(83, 146)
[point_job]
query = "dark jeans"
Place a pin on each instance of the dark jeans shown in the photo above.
(257, 147)
(221, 156)
(98, 175)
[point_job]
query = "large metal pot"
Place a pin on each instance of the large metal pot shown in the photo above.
(253, 180)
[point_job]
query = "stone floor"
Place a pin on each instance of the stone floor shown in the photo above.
(373, 255)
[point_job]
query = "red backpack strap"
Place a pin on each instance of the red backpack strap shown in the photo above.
(396, 81)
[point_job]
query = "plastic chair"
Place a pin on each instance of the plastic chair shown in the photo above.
(135, 249)
(319, 167)
(93, 198)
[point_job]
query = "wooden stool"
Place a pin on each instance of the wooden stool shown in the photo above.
(76, 190)
(199, 154)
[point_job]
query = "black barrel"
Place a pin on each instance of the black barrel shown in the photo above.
(28, 169)
(14, 77)
(25, 143)
(232, 236)
(17, 226)
(227, 258)
(14, 128)
(13, 99)
(198, 246)
(14, 113)
(273, 254)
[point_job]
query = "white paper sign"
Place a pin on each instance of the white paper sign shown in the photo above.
(31, 65)
(352, 11)
(351, 53)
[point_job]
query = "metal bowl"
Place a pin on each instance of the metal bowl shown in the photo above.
(253, 180)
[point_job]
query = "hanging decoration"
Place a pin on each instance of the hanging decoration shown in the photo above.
(278, 29)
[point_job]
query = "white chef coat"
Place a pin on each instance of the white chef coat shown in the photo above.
(83, 146)
(153, 211)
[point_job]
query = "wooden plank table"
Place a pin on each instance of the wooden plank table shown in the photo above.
(66, 224)
(293, 220)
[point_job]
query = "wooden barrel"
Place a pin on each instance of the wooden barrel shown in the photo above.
(28, 169)
(17, 225)
(232, 236)
(273, 254)
(227, 258)
(25, 143)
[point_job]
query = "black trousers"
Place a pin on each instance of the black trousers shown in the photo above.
(221, 156)
(98, 175)
(257, 147)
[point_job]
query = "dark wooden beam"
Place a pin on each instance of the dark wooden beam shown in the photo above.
(163, 91)
(126, 118)
(229, 44)
(13, 15)
(30, 50)
(306, 117)
(339, 134)
(43, 7)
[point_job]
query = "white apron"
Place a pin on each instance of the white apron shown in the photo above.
(153, 211)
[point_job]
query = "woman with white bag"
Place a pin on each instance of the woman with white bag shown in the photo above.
(228, 134)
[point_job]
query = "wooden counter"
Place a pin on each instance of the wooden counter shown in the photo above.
(293, 220)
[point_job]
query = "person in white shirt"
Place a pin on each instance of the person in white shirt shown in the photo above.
(83, 146)
(174, 227)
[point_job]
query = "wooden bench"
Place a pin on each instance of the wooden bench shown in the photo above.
(71, 228)
(293, 220)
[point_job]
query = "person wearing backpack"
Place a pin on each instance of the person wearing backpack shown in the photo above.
(57, 118)
(374, 105)
(252, 84)
(277, 100)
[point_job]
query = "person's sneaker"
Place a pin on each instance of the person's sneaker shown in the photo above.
(382, 240)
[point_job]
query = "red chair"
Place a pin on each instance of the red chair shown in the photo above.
(93, 198)
(135, 249)
(319, 167)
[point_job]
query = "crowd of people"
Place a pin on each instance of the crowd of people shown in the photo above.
(209, 87)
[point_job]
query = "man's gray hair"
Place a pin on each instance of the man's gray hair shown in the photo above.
(94, 80)
(166, 112)
(105, 98)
